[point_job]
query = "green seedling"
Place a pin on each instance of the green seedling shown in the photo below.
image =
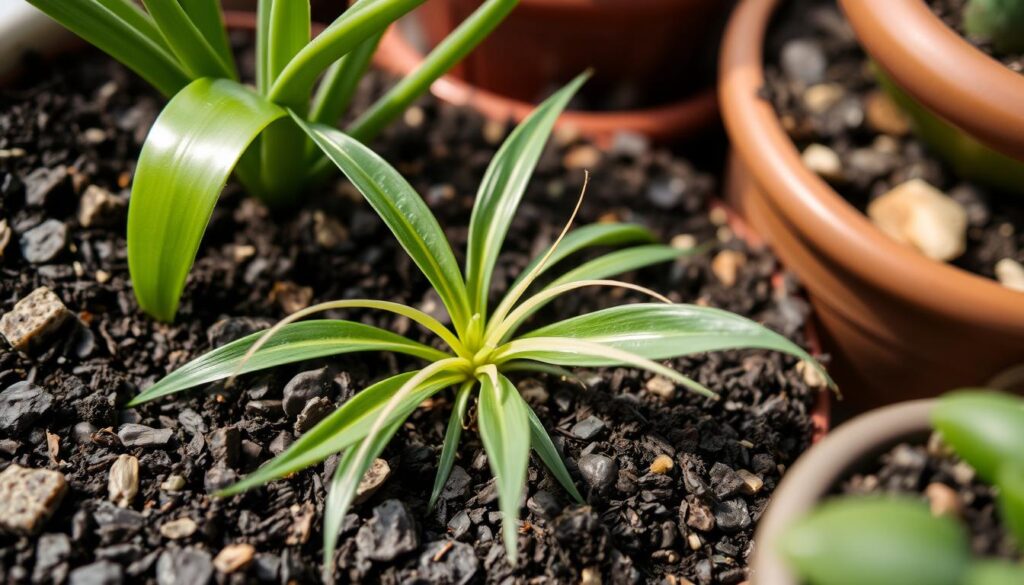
(483, 347)
(214, 124)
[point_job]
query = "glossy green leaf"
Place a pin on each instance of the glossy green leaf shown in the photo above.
(293, 343)
(451, 442)
(1011, 498)
(502, 188)
(289, 33)
(335, 92)
(994, 572)
(185, 163)
(294, 85)
(622, 261)
(404, 212)
(564, 351)
(132, 14)
(589, 236)
(443, 57)
(186, 41)
(136, 48)
(504, 425)
(986, 428)
(208, 18)
(342, 492)
(660, 331)
(344, 427)
(263, 10)
(881, 542)
(548, 453)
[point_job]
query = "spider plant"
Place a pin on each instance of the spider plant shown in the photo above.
(482, 348)
(897, 541)
(214, 124)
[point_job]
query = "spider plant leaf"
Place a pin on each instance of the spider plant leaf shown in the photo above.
(404, 212)
(295, 342)
(289, 33)
(893, 541)
(659, 331)
(443, 57)
(186, 160)
(294, 85)
(123, 37)
(263, 10)
(1010, 482)
(342, 492)
(451, 442)
(186, 41)
(622, 261)
(344, 427)
(567, 351)
(502, 188)
(339, 84)
(545, 448)
(504, 425)
(208, 18)
(136, 17)
(588, 236)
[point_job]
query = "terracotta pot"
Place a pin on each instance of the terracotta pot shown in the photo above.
(897, 324)
(852, 447)
(543, 44)
(942, 71)
(666, 123)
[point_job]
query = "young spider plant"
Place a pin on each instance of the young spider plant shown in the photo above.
(214, 125)
(483, 346)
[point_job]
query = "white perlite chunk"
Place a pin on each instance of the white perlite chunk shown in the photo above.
(28, 497)
(33, 318)
(919, 215)
(1010, 274)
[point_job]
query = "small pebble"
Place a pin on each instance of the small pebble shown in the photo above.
(823, 160)
(303, 387)
(820, 97)
(588, 428)
(917, 214)
(134, 435)
(234, 557)
(178, 529)
(33, 319)
(99, 573)
(883, 115)
(683, 242)
(598, 471)
(803, 60)
(173, 483)
(661, 386)
(315, 411)
(28, 497)
(943, 500)
(5, 236)
(726, 265)
(44, 242)
(375, 476)
(582, 157)
(21, 405)
(100, 208)
(752, 484)
(123, 483)
(1010, 274)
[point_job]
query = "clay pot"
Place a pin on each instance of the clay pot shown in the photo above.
(666, 123)
(852, 447)
(897, 324)
(543, 44)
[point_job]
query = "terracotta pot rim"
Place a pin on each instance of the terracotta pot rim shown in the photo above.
(661, 123)
(814, 475)
(942, 70)
(844, 234)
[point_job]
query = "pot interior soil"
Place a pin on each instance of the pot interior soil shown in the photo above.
(952, 13)
(826, 94)
(934, 473)
(78, 124)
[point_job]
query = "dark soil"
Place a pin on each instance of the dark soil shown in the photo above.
(824, 53)
(935, 474)
(952, 13)
(88, 116)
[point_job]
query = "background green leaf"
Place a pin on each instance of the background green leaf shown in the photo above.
(451, 441)
(985, 428)
(207, 16)
(504, 426)
(186, 41)
(293, 343)
(185, 162)
(502, 188)
(548, 453)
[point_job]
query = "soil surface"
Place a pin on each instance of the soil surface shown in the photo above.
(936, 475)
(952, 13)
(826, 94)
(82, 122)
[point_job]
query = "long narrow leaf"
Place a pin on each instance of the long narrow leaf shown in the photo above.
(504, 424)
(342, 492)
(588, 236)
(451, 442)
(185, 162)
(344, 427)
(293, 343)
(208, 18)
(444, 56)
(564, 351)
(120, 39)
(339, 83)
(659, 331)
(132, 13)
(548, 453)
(502, 188)
(289, 33)
(263, 10)
(186, 41)
(294, 85)
(404, 212)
